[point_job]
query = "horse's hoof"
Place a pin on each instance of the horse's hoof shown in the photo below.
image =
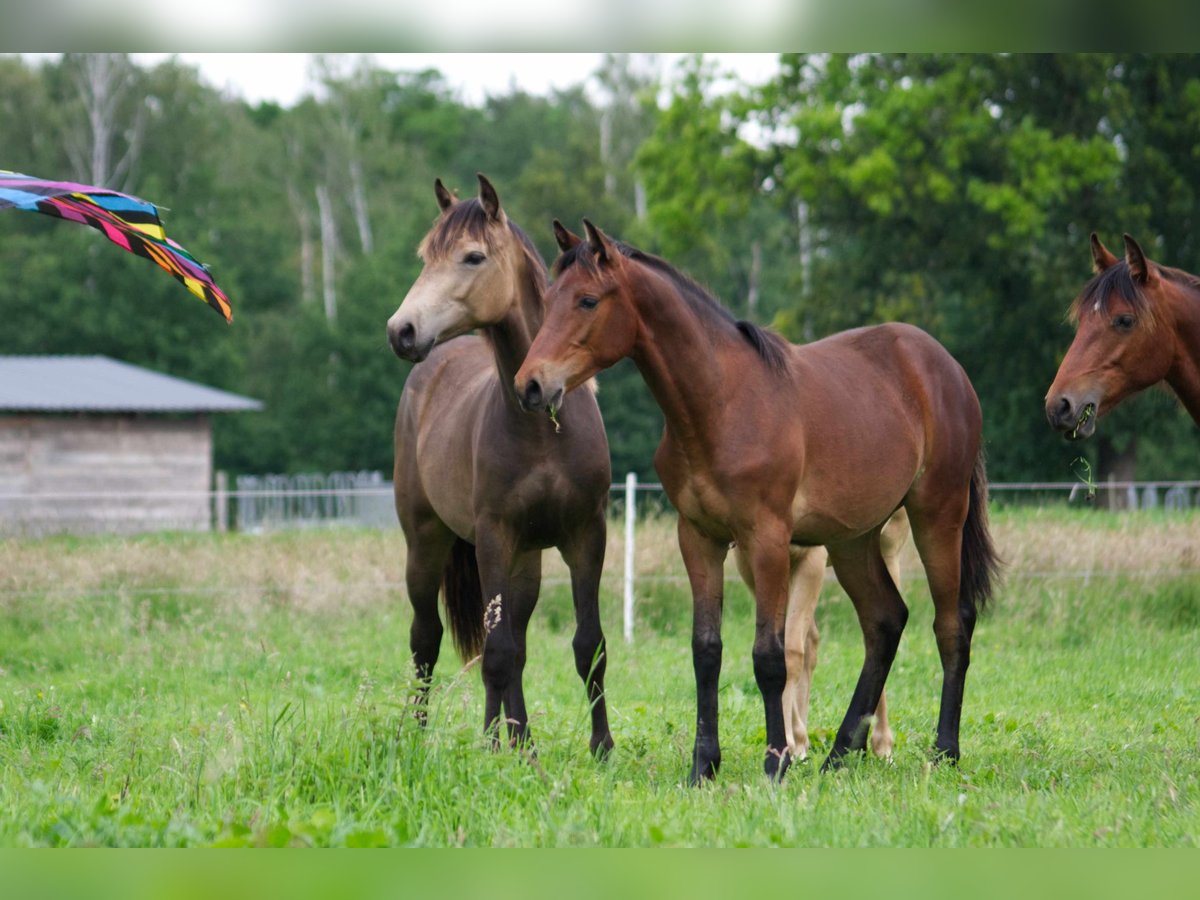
(835, 761)
(776, 764)
(882, 748)
(601, 747)
(945, 756)
(702, 773)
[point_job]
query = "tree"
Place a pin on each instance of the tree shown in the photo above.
(957, 192)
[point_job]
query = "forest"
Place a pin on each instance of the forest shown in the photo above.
(954, 192)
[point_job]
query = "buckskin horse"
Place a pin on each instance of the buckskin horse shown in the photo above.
(773, 445)
(1138, 324)
(482, 488)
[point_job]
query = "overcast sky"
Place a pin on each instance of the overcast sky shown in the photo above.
(284, 77)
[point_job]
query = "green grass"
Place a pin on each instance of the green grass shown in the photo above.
(197, 690)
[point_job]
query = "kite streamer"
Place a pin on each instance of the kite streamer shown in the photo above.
(126, 221)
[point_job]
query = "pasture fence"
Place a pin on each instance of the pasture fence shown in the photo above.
(265, 503)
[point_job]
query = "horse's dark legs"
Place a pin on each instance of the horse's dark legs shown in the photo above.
(429, 545)
(940, 548)
(494, 554)
(523, 589)
(584, 556)
(882, 615)
(767, 554)
(704, 560)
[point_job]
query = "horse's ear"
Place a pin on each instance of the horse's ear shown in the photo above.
(1139, 267)
(566, 239)
(445, 199)
(1101, 258)
(598, 241)
(487, 196)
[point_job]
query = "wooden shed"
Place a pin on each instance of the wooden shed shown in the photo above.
(89, 444)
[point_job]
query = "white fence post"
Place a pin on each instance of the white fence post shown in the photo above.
(630, 515)
(221, 496)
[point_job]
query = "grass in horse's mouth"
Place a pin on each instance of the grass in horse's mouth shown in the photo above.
(553, 410)
(1088, 412)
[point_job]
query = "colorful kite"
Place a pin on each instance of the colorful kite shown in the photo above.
(125, 220)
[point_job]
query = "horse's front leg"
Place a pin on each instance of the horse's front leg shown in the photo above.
(801, 640)
(494, 555)
(584, 555)
(523, 587)
(801, 637)
(891, 541)
(767, 552)
(704, 560)
(429, 544)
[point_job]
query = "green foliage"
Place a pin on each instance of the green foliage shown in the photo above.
(952, 192)
(237, 185)
(957, 192)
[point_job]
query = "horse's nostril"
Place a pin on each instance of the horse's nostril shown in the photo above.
(407, 336)
(533, 393)
(1064, 406)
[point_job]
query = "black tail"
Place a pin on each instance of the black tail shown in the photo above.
(463, 596)
(980, 564)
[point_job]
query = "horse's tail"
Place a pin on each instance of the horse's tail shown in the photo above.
(463, 596)
(980, 564)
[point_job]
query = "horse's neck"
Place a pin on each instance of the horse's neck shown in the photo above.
(1184, 377)
(512, 336)
(680, 357)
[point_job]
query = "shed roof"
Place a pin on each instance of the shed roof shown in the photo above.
(101, 384)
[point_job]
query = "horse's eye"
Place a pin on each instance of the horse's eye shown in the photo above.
(1124, 323)
(587, 301)
(474, 258)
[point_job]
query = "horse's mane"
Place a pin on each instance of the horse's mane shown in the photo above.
(770, 347)
(469, 216)
(1117, 279)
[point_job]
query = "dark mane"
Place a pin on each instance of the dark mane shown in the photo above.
(1117, 279)
(770, 347)
(469, 217)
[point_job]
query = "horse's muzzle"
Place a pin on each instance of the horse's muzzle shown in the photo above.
(535, 398)
(1076, 420)
(403, 340)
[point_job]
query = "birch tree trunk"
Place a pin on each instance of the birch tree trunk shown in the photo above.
(308, 292)
(104, 81)
(358, 197)
(329, 246)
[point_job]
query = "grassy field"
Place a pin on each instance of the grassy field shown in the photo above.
(184, 690)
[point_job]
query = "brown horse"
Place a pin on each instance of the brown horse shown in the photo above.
(482, 487)
(774, 445)
(1138, 324)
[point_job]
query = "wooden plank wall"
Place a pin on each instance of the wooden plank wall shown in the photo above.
(51, 468)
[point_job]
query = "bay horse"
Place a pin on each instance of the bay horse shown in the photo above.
(482, 488)
(772, 446)
(1138, 323)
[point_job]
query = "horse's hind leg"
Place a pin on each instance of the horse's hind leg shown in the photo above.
(429, 545)
(938, 539)
(584, 556)
(882, 615)
(891, 541)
